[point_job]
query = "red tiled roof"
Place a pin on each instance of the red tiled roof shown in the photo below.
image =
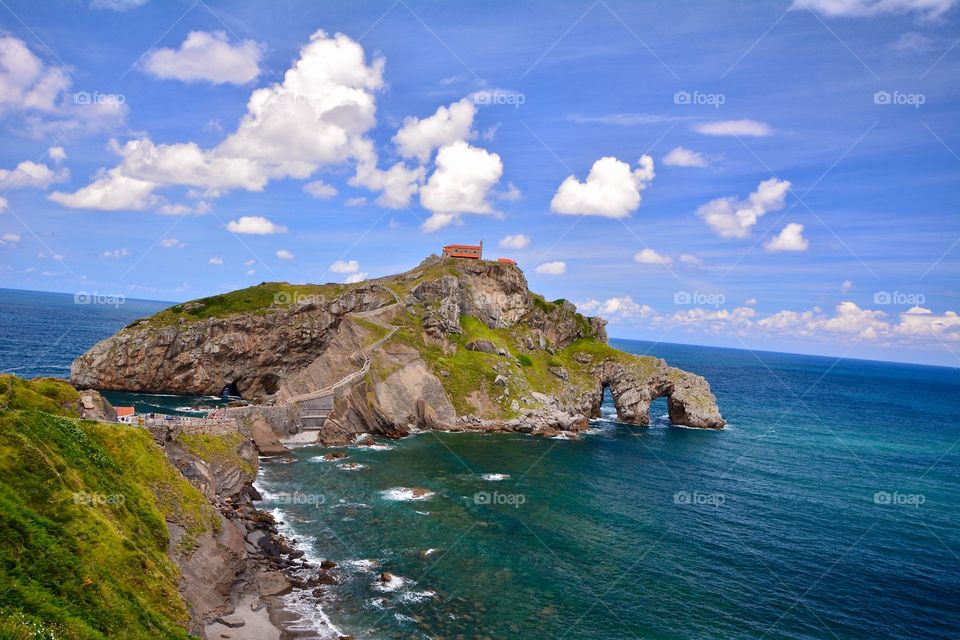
(463, 246)
(124, 411)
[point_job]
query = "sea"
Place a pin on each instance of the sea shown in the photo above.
(828, 508)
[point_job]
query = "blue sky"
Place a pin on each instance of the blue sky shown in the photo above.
(765, 175)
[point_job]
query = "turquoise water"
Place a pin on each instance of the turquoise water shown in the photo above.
(828, 509)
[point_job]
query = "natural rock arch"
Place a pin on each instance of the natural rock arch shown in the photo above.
(635, 386)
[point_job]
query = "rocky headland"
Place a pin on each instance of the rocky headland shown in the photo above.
(453, 344)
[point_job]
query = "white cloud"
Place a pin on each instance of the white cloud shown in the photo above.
(320, 189)
(117, 5)
(207, 56)
(115, 253)
(254, 225)
(929, 9)
(616, 309)
(683, 157)
(316, 117)
(355, 202)
(459, 184)
(30, 175)
(345, 266)
(510, 194)
(649, 256)
(249, 263)
(40, 94)
(611, 189)
(110, 191)
(689, 258)
(198, 208)
(518, 241)
(398, 184)
(172, 243)
(418, 138)
(920, 322)
(10, 238)
(555, 268)
(750, 302)
(4, 203)
(913, 42)
(283, 254)
(355, 278)
(250, 272)
(57, 154)
(846, 286)
(789, 239)
(734, 128)
(215, 260)
(733, 218)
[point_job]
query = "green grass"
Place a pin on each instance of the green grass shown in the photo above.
(219, 450)
(258, 299)
(83, 537)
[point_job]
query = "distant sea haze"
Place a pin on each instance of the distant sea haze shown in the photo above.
(829, 507)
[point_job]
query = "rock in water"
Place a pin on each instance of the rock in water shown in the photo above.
(416, 351)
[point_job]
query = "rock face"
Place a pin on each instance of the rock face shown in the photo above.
(452, 344)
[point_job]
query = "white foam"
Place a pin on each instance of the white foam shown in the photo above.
(413, 597)
(362, 566)
(351, 466)
(405, 494)
(494, 477)
(394, 583)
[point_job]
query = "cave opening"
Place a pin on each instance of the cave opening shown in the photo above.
(230, 391)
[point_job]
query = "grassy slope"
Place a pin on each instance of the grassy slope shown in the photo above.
(83, 542)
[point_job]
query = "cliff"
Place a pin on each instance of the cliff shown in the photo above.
(452, 344)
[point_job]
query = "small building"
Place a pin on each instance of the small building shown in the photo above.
(126, 415)
(470, 251)
(507, 261)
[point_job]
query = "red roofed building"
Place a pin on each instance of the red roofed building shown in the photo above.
(127, 415)
(473, 252)
(507, 261)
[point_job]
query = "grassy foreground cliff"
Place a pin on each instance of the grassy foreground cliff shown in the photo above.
(83, 512)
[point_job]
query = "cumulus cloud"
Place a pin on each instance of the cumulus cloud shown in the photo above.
(115, 253)
(39, 93)
(518, 241)
(320, 189)
(616, 309)
(345, 266)
(846, 286)
(738, 128)
(215, 261)
(460, 183)
(733, 218)
(418, 138)
(283, 254)
(689, 258)
(30, 175)
(4, 203)
(355, 278)
(57, 154)
(789, 239)
(207, 56)
(172, 243)
(611, 189)
(649, 256)
(8, 238)
(556, 268)
(255, 225)
(928, 9)
(316, 117)
(110, 191)
(683, 157)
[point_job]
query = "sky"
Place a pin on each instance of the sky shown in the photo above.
(779, 175)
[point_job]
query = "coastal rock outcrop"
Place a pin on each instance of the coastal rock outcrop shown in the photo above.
(452, 344)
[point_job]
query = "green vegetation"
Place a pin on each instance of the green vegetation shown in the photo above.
(218, 450)
(524, 360)
(83, 511)
(258, 299)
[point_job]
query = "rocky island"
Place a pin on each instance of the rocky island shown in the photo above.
(453, 344)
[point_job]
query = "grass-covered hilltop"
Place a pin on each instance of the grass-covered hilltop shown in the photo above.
(453, 344)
